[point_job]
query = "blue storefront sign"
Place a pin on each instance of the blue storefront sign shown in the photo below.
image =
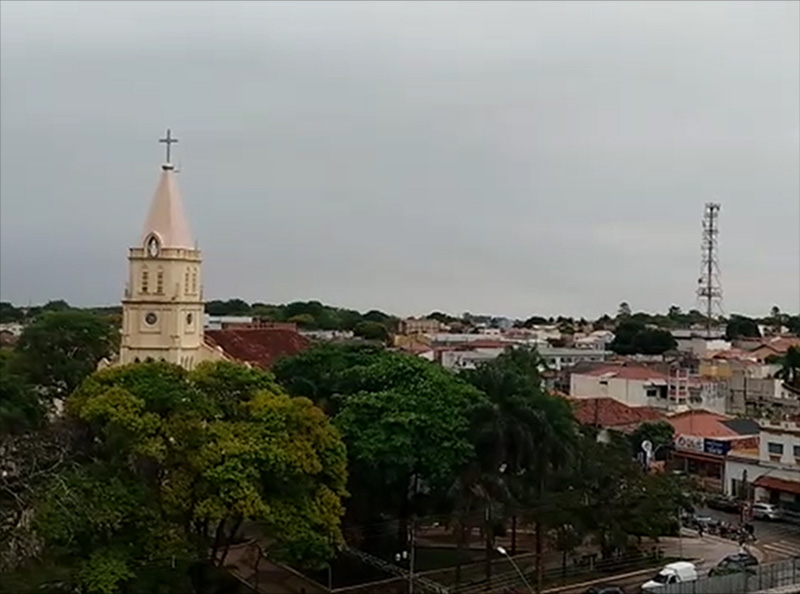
(716, 447)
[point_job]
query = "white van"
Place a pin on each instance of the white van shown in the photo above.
(674, 573)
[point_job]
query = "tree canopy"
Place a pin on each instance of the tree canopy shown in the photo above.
(60, 348)
(176, 462)
(741, 327)
(632, 337)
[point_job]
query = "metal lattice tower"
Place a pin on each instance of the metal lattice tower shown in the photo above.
(709, 288)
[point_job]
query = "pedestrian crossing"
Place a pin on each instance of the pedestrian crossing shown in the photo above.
(783, 548)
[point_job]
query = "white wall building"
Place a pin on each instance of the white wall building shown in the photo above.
(773, 470)
(631, 385)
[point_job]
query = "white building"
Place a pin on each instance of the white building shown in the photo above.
(629, 384)
(773, 470)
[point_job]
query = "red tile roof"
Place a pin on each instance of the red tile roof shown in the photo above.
(608, 412)
(701, 422)
(776, 484)
(628, 372)
(780, 344)
(260, 347)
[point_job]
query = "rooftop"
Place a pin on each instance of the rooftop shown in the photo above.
(607, 412)
(260, 347)
(628, 372)
(708, 424)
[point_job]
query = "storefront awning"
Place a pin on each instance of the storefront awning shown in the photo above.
(776, 484)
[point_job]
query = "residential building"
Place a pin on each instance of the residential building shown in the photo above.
(634, 385)
(766, 348)
(761, 397)
(558, 359)
(771, 471)
(597, 340)
(419, 326)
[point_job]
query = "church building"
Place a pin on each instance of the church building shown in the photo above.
(163, 307)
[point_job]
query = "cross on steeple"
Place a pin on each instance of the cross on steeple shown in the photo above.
(168, 140)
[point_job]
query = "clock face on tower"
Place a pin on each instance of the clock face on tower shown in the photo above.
(151, 318)
(152, 247)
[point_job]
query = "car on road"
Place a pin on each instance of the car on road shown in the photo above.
(735, 563)
(766, 511)
(606, 589)
(723, 503)
(673, 573)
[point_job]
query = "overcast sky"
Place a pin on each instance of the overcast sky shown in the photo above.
(508, 158)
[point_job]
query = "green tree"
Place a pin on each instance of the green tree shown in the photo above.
(658, 433)
(405, 422)
(9, 313)
(371, 331)
(523, 439)
(303, 320)
(21, 408)
(181, 461)
(231, 307)
(624, 310)
(632, 337)
(790, 367)
(60, 348)
(741, 327)
(326, 370)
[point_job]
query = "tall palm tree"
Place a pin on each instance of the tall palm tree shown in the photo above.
(526, 434)
(790, 367)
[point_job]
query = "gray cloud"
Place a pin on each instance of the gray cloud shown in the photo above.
(496, 157)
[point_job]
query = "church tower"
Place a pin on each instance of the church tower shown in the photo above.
(162, 311)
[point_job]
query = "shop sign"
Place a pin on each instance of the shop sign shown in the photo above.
(716, 447)
(689, 443)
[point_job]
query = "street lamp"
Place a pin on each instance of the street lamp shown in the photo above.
(504, 552)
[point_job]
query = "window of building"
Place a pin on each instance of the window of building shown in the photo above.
(775, 448)
(186, 282)
(797, 451)
(145, 281)
(160, 282)
(194, 281)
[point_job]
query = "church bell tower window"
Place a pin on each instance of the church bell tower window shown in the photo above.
(194, 281)
(145, 281)
(160, 282)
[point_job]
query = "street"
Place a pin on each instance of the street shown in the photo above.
(777, 540)
(707, 551)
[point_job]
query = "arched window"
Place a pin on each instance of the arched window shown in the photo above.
(136, 360)
(160, 282)
(145, 281)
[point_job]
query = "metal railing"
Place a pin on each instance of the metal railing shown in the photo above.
(757, 579)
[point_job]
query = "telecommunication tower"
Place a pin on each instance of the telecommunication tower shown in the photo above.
(709, 288)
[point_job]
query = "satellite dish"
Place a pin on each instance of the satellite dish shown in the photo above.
(647, 447)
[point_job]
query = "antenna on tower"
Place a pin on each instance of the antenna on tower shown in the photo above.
(709, 288)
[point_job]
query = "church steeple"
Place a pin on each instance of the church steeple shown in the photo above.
(162, 313)
(167, 218)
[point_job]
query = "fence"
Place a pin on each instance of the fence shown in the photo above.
(764, 577)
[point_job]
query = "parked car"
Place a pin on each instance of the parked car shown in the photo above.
(606, 589)
(766, 511)
(723, 503)
(673, 573)
(735, 564)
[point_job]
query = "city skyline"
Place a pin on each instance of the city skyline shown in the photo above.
(510, 159)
